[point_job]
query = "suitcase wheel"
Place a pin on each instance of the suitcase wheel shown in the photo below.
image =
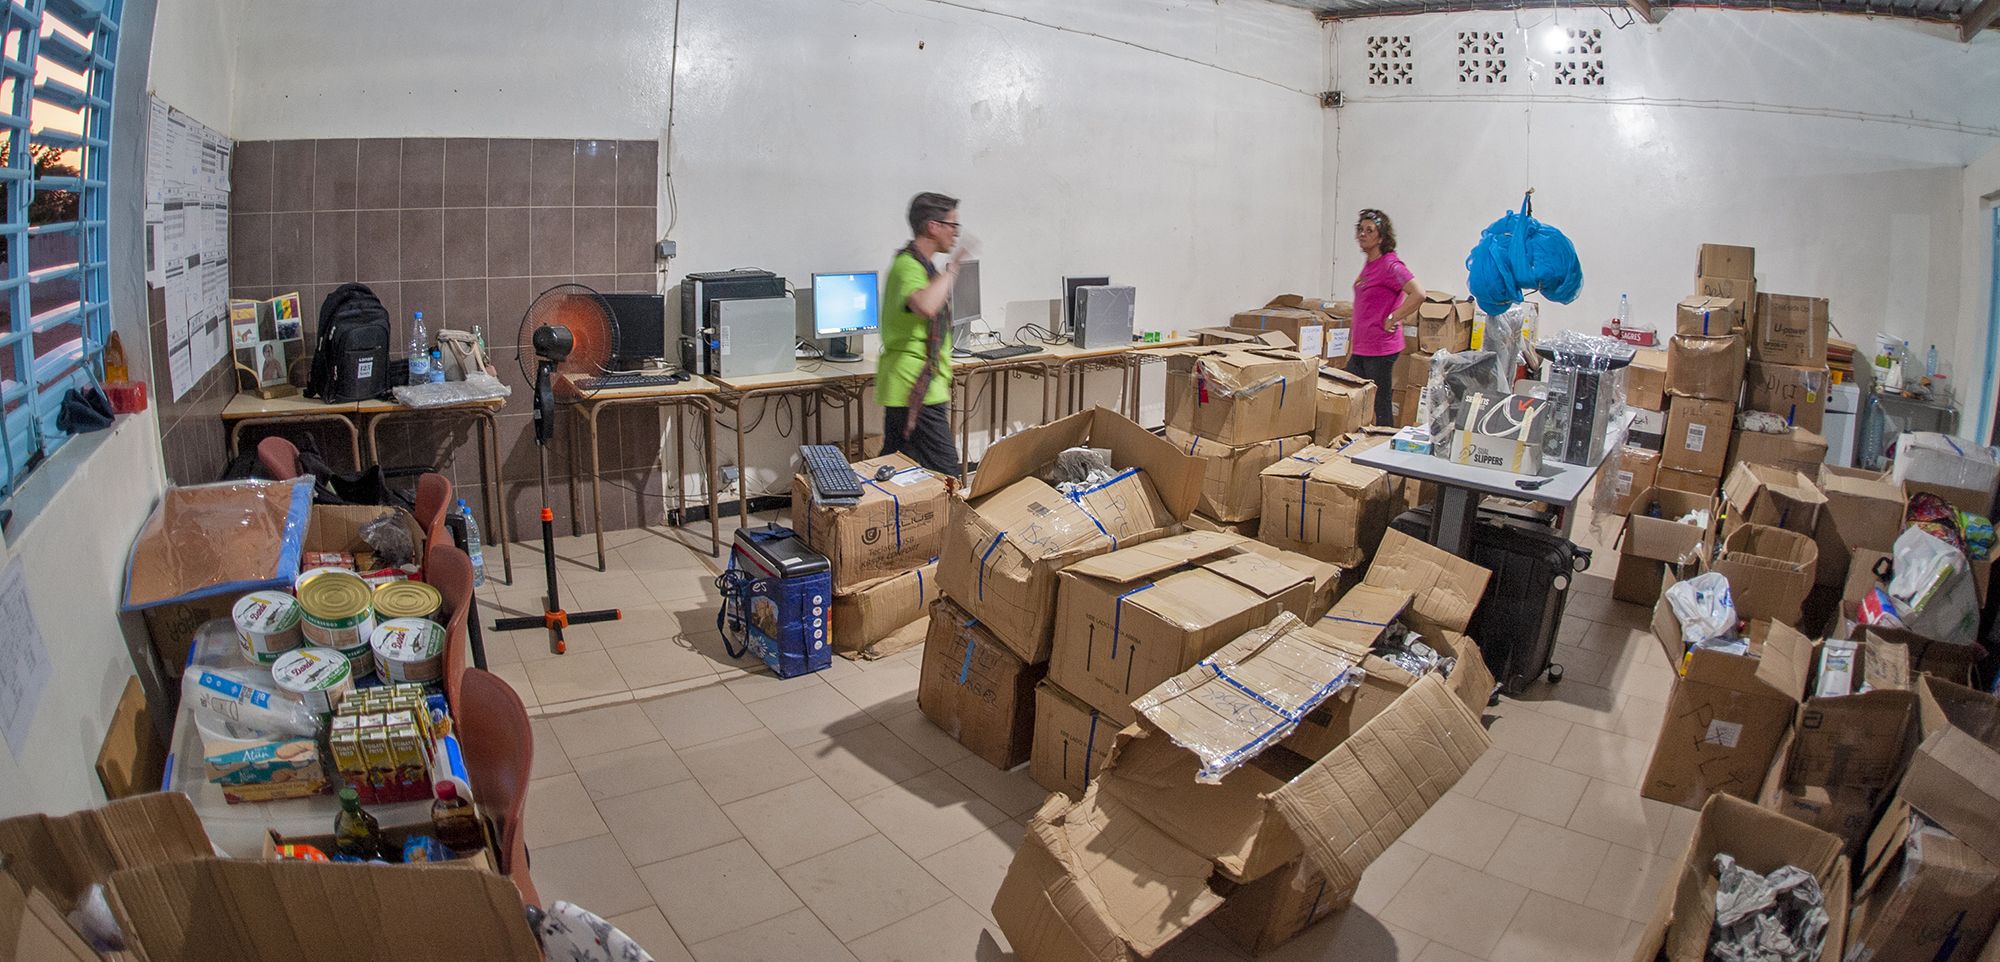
(1555, 674)
(1493, 698)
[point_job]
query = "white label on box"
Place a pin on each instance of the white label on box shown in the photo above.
(1697, 436)
(1311, 337)
(1624, 486)
(1409, 330)
(1723, 733)
(904, 479)
(1336, 342)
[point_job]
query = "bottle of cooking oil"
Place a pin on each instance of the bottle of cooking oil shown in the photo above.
(355, 832)
(454, 822)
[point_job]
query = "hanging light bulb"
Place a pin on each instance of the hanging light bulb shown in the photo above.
(1555, 39)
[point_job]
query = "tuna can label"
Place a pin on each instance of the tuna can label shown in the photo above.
(409, 650)
(318, 675)
(267, 625)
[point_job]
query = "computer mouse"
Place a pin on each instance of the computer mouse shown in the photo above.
(885, 472)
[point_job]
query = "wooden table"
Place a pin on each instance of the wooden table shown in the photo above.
(693, 393)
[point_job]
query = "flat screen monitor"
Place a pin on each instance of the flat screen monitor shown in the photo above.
(844, 305)
(965, 298)
(1070, 284)
(642, 325)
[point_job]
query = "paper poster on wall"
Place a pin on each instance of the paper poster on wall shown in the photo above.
(25, 667)
(187, 241)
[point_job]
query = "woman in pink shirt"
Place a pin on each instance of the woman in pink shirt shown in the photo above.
(1385, 295)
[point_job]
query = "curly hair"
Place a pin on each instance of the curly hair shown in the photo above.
(1382, 226)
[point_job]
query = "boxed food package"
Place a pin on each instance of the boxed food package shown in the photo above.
(1789, 329)
(1963, 473)
(1705, 367)
(1790, 391)
(1758, 840)
(1130, 620)
(1798, 449)
(1770, 495)
(1633, 474)
(1649, 428)
(1708, 316)
(1346, 404)
(1646, 380)
(1229, 488)
(1924, 895)
(1726, 260)
(1319, 503)
(254, 767)
(1770, 571)
(1444, 322)
(977, 689)
(1728, 713)
(1011, 530)
(1072, 740)
(1506, 432)
(896, 525)
(1240, 396)
(870, 614)
(1697, 439)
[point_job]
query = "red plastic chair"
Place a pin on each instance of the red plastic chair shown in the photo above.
(279, 458)
(434, 498)
(499, 755)
(450, 572)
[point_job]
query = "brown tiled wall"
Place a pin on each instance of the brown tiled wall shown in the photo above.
(467, 231)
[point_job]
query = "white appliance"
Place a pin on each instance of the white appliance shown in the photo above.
(1843, 404)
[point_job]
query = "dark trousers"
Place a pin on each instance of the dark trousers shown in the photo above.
(930, 445)
(1381, 370)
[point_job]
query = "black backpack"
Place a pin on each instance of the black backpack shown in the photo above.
(351, 362)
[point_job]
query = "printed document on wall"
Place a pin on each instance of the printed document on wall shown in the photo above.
(25, 667)
(187, 240)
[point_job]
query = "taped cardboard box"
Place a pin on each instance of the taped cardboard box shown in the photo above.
(1727, 713)
(1267, 913)
(1697, 438)
(1846, 752)
(896, 525)
(1240, 337)
(1788, 391)
(1630, 476)
(1760, 841)
(1011, 531)
(1413, 369)
(1961, 472)
(1688, 481)
(1954, 777)
(1239, 396)
(1320, 503)
(1706, 316)
(1770, 495)
(1201, 522)
(1705, 367)
(1725, 260)
(1790, 329)
(1798, 449)
(1134, 618)
(1329, 580)
(1742, 290)
(62, 856)
(1923, 896)
(1444, 322)
(1346, 403)
(1336, 320)
(866, 616)
(1229, 488)
(1072, 740)
(1646, 380)
(977, 689)
(1306, 328)
(1770, 571)
(1649, 428)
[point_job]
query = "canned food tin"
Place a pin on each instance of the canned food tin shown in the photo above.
(337, 611)
(267, 625)
(408, 599)
(409, 650)
(320, 676)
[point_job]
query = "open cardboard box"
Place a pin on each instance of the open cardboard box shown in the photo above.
(1923, 894)
(337, 528)
(1844, 754)
(1954, 777)
(1229, 486)
(1665, 538)
(1769, 495)
(1760, 841)
(1346, 404)
(1727, 714)
(1770, 571)
(1864, 511)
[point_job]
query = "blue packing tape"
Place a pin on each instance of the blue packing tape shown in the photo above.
(1255, 745)
(1074, 499)
(1118, 616)
(1089, 745)
(895, 511)
(982, 563)
(965, 667)
(920, 588)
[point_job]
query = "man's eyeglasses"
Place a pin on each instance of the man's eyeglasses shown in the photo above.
(948, 223)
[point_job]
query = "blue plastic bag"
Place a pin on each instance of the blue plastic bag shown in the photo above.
(1517, 254)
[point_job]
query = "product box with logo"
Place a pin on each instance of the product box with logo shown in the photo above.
(976, 689)
(868, 615)
(1797, 449)
(1319, 503)
(1646, 380)
(1229, 490)
(1010, 531)
(1697, 438)
(1630, 476)
(1770, 495)
(1346, 404)
(1505, 432)
(1924, 894)
(1072, 740)
(1708, 316)
(1239, 396)
(1705, 367)
(1727, 714)
(1758, 840)
(1789, 329)
(1444, 322)
(896, 525)
(1789, 391)
(1770, 571)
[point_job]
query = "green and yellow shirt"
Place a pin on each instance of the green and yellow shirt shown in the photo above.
(903, 332)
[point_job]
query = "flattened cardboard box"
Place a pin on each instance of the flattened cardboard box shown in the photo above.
(864, 617)
(896, 526)
(1444, 322)
(1708, 316)
(1010, 532)
(1646, 380)
(1705, 367)
(1770, 571)
(1134, 618)
(1727, 713)
(1799, 450)
(1320, 503)
(1229, 490)
(1697, 439)
(976, 689)
(1770, 495)
(1790, 329)
(1789, 391)
(1239, 396)
(1634, 473)
(1072, 740)
(1346, 403)
(1924, 896)
(1954, 777)
(1760, 841)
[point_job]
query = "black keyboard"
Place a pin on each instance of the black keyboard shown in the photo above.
(831, 475)
(628, 380)
(1003, 353)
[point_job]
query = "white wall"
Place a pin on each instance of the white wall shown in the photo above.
(1981, 194)
(194, 57)
(1834, 145)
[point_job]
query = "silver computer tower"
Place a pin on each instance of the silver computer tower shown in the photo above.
(1103, 316)
(756, 335)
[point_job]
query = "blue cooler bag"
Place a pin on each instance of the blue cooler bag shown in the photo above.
(777, 600)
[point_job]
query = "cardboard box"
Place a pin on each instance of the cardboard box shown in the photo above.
(1229, 486)
(337, 528)
(1648, 430)
(33, 930)
(1787, 390)
(1697, 439)
(396, 835)
(1864, 510)
(62, 856)
(1444, 322)
(1954, 777)
(1319, 503)
(1789, 329)
(1924, 896)
(1688, 481)
(1845, 752)
(1267, 913)
(1072, 740)
(1346, 403)
(1638, 580)
(1665, 538)
(976, 688)
(1760, 841)
(1010, 532)
(1305, 328)
(1705, 316)
(1329, 580)
(1413, 369)
(1630, 476)
(1705, 367)
(1770, 571)
(1769, 495)
(1646, 380)
(1241, 337)
(1742, 290)
(1963, 473)
(1201, 522)
(133, 758)
(1798, 450)
(896, 526)
(1408, 398)
(1239, 396)
(1134, 618)
(1727, 713)
(1724, 260)
(867, 615)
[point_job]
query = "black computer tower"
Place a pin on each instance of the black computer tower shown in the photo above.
(700, 348)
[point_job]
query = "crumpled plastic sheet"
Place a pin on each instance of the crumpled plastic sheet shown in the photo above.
(1080, 468)
(1704, 607)
(1453, 378)
(475, 387)
(1762, 422)
(391, 542)
(1776, 918)
(1407, 650)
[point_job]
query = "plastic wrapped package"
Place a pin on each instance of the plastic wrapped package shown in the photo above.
(1931, 590)
(1453, 378)
(1704, 608)
(391, 541)
(212, 539)
(1507, 334)
(475, 387)
(1586, 378)
(1081, 468)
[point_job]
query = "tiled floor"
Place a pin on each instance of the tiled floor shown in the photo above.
(717, 813)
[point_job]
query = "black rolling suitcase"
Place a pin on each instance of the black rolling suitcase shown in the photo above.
(1518, 617)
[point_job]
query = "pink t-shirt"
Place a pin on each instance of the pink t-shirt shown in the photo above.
(1377, 292)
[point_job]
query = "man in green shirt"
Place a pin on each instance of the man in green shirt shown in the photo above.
(913, 376)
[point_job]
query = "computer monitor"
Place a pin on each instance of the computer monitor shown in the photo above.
(965, 300)
(1070, 284)
(843, 305)
(642, 326)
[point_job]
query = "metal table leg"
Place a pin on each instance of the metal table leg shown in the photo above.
(489, 482)
(710, 482)
(590, 412)
(1452, 517)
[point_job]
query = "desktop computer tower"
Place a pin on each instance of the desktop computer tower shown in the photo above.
(1104, 316)
(699, 346)
(754, 335)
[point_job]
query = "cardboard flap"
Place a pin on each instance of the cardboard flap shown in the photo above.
(63, 856)
(1954, 778)
(1266, 576)
(1176, 477)
(1770, 547)
(1336, 379)
(1362, 614)
(1787, 658)
(1022, 453)
(1351, 805)
(1299, 464)
(1149, 559)
(1444, 589)
(32, 929)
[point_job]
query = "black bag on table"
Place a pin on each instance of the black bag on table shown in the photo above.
(351, 359)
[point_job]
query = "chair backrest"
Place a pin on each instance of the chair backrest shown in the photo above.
(499, 751)
(434, 498)
(279, 458)
(449, 571)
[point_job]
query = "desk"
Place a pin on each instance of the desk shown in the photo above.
(1461, 486)
(245, 410)
(845, 379)
(692, 393)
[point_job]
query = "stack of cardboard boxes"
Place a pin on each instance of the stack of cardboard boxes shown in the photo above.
(1239, 409)
(1315, 326)
(1319, 502)
(882, 550)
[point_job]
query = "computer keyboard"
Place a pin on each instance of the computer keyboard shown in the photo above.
(628, 380)
(1003, 353)
(831, 475)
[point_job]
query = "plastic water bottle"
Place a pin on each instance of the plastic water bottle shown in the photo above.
(1930, 362)
(420, 350)
(1624, 312)
(437, 366)
(472, 547)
